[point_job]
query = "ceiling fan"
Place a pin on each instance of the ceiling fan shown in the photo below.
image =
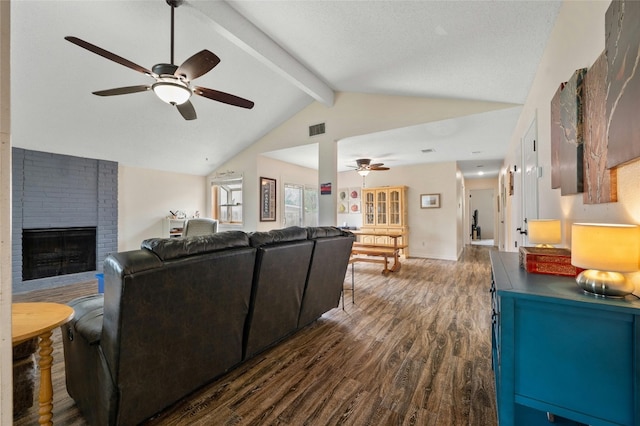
(364, 166)
(173, 83)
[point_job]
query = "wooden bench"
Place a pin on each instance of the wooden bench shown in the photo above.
(362, 252)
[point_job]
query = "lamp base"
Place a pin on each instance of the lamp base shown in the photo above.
(604, 284)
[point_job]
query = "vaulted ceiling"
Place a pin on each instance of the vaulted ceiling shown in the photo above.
(283, 55)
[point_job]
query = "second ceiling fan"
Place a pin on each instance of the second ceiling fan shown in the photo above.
(173, 83)
(364, 166)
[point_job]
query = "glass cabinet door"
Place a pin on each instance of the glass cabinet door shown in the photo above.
(381, 207)
(368, 208)
(394, 207)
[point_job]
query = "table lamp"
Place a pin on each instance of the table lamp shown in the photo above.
(544, 232)
(606, 251)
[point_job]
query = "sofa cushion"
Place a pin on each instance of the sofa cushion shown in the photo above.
(325, 232)
(276, 236)
(326, 276)
(175, 248)
(278, 287)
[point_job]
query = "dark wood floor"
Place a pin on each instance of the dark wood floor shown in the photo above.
(413, 350)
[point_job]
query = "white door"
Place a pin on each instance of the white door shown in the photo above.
(530, 176)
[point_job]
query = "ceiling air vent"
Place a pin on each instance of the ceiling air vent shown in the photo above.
(316, 129)
(428, 150)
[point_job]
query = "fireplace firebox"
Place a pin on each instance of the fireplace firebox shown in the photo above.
(49, 252)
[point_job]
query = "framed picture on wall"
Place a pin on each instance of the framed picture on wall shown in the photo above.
(267, 199)
(429, 201)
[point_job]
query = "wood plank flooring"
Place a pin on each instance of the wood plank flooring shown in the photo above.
(414, 349)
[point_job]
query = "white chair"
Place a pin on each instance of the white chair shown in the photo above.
(200, 226)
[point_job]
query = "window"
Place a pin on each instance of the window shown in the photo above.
(226, 195)
(300, 205)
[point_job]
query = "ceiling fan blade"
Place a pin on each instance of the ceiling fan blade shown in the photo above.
(376, 165)
(223, 97)
(187, 110)
(197, 65)
(106, 54)
(379, 168)
(122, 90)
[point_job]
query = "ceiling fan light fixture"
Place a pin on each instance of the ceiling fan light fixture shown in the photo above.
(363, 173)
(171, 91)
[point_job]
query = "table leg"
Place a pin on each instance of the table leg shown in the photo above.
(46, 387)
(396, 261)
(353, 292)
(386, 269)
(396, 256)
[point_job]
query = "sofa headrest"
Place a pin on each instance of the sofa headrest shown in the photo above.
(314, 232)
(175, 248)
(275, 236)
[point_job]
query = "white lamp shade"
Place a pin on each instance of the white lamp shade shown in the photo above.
(363, 172)
(171, 92)
(544, 231)
(605, 247)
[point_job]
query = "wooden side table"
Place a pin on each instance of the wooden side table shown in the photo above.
(30, 320)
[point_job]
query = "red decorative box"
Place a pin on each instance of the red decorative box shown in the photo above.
(550, 261)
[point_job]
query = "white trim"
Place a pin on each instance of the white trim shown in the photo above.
(6, 358)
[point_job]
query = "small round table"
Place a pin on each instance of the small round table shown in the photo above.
(29, 320)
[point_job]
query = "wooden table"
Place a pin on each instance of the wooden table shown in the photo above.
(378, 250)
(29, 320)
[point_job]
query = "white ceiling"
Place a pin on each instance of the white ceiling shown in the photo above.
(282, 55)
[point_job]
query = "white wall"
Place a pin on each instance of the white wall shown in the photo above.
(483, 201)
(351, 179)
(145, 197)
(576, 41)
(433, 232)
(352, 114)
(283, 173)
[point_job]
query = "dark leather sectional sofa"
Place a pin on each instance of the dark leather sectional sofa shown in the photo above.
(180, 312)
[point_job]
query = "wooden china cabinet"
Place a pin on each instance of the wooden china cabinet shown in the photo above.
(384, 211)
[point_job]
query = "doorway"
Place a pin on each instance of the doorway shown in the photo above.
(482, 216)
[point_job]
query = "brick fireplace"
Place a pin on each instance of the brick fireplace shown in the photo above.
(65, 215)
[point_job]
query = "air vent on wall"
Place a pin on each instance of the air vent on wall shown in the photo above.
(316, 129)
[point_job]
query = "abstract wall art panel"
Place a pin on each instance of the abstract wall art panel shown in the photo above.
(556, 138)
(600, 184)
(622, 47)
(571, 146)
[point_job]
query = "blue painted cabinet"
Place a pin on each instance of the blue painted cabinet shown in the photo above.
(557, 350)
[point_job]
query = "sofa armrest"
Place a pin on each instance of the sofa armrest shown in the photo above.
(90, 326)
(87, 320)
